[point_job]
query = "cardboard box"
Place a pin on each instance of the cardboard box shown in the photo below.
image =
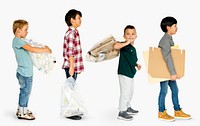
(156, 66)
(151, 79)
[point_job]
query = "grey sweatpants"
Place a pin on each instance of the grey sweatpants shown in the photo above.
(126, 92)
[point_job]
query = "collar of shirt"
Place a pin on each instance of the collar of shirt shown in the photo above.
(169, 36)
(72, 28)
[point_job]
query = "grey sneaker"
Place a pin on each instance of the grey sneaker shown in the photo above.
(131, 111)
(123, 115)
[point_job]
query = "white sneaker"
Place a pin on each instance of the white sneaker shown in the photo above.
(26, 116)
(18, 112)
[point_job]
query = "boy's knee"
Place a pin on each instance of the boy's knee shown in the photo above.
(163, 93)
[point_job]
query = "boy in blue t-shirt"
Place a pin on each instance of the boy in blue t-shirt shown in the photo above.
(25, 66)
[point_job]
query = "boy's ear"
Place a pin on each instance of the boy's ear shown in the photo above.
(124, 36)
(72, 21)
(168, 27)
(17, 30)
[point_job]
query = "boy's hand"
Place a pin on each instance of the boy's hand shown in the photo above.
(138, 66)
(48, 49)
(71, 71)
(128, 41)
(174, 77)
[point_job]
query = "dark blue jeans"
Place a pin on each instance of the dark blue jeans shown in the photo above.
(163, 92)
(68, 75)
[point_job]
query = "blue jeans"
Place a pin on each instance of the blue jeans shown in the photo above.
(163, 92)
(25, 89)
(68, 75)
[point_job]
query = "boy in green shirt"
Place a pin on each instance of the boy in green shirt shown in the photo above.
(126, 71)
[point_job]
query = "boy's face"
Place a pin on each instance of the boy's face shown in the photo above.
(23, 31)
(130, 35)
(172, 30)
(76, 22)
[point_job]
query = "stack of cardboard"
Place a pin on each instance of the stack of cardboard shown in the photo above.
(103, 50)
(156, 66)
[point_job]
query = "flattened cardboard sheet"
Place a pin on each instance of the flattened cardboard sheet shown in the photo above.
(151, 79)
(157, 67)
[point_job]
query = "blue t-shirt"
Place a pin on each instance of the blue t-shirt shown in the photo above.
(24, 61)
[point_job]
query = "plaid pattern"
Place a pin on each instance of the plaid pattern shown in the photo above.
(72, 47)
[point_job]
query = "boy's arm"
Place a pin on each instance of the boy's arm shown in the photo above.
(68, 52)
(119, 45)
(36, 49)
(71, 68)
(166, 52)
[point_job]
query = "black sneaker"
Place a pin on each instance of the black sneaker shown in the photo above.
(124, 116)
(131, 111)
(76, 117)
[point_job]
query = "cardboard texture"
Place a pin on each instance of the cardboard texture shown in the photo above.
(103, 50)
(151, 79)
(157, 67)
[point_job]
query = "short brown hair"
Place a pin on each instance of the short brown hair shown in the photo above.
(19, 24)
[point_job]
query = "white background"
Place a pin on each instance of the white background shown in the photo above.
(99, 82)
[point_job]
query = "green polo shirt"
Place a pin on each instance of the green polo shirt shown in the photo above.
(127, 61)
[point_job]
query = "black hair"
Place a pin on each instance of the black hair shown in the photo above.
(71, 14)
(128, 27)
(167, 21)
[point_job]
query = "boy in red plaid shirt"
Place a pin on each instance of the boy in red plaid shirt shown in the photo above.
(72, 52)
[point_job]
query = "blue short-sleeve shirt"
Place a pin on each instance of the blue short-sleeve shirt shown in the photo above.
(24, 61)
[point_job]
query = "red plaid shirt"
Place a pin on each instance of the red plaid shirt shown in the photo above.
(72, 47)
